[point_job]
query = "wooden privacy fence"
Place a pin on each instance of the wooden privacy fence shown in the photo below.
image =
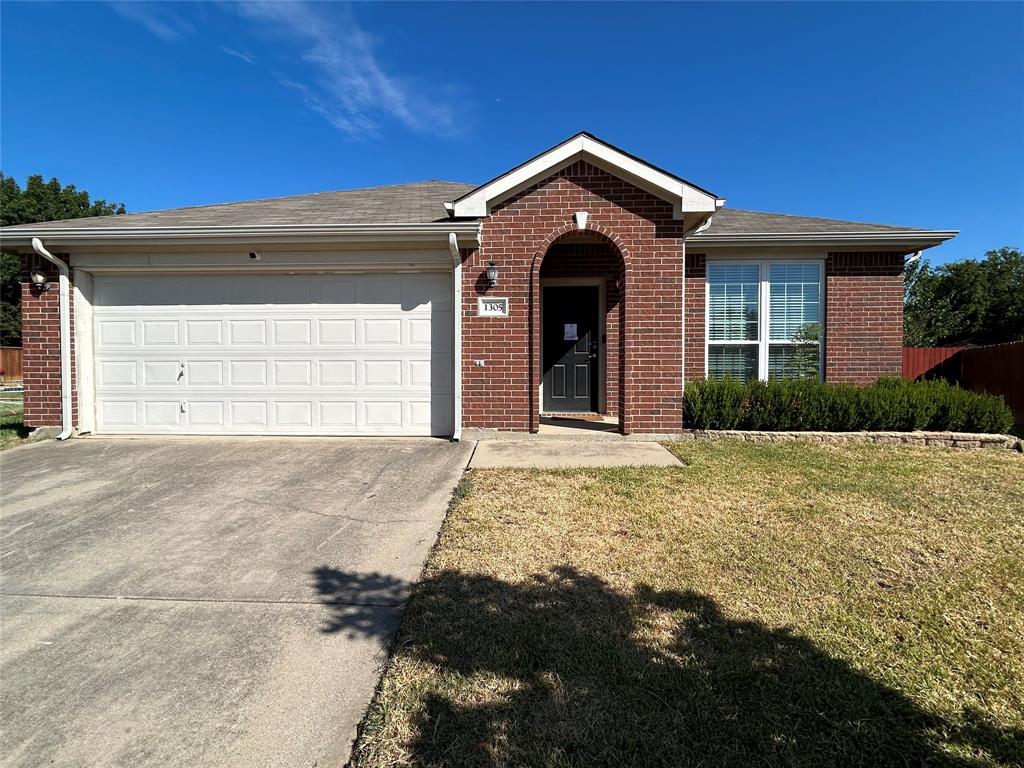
(997, 369)
(918, 361)
(10, 364)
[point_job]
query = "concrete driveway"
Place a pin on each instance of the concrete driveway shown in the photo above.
(205, 601)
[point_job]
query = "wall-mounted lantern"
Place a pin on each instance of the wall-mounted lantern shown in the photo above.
(39, 281)
(492, 274)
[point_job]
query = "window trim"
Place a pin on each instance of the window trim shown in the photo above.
(764, 341)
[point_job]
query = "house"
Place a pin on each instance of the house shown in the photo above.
(584, 281)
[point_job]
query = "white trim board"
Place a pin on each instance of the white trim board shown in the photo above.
(685, 198)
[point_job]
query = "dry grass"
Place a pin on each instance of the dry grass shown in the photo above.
(12, 431)
(766, 604)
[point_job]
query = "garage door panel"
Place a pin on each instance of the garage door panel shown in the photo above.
(292, 332)
(160, 333)
(160, 373)
(247, 373)
(377, 363)
(116, 333)
(293, 414)
(339, 332)
(117, 373)
(161, 413)
(204, 373)
(247, 333)
(293, 373)
(118, 413)
(205, 415)
(338, 414)
(336, 373)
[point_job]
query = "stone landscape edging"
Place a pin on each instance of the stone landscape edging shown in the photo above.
(966, 440)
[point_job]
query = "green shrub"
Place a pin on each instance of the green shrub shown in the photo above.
(895, 405)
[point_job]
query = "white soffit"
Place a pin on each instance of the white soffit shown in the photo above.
(685, 198)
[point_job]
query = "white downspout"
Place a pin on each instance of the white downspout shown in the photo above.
(453, 245)
(912, 259)
(64, 307)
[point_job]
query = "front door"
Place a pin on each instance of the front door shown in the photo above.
(570, 352)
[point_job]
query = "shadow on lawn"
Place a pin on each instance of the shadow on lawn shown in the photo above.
(571, 681)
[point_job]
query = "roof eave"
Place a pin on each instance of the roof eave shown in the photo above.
(297, 233)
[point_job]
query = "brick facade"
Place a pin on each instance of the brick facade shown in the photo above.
(634, 245)
(518, 236)
(863, 316)
(40, 350)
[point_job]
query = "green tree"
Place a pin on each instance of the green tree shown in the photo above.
(981, 302)
(38, 201)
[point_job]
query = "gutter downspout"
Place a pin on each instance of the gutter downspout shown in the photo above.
(912, 259)
(64, 303)
(453, 246)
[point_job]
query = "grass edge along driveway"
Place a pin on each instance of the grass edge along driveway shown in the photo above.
(787, 604)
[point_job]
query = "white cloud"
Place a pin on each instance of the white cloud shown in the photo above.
(351, 88)
(158, 18)
(246, 57)
(347, 83)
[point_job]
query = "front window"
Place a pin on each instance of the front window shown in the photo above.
(764, 320)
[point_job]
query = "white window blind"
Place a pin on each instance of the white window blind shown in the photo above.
(764, 319)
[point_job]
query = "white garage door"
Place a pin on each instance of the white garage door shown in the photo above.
(269, 354)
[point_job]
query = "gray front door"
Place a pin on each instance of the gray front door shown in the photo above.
(571, 342)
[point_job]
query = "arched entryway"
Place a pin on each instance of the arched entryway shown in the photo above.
(579, 321)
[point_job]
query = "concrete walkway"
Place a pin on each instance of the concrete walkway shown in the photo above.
(560, 454)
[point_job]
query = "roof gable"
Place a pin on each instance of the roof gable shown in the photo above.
(684, 196)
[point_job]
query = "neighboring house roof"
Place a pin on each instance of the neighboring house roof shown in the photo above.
(420, 207)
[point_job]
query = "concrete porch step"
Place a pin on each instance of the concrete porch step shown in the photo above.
(562, 454)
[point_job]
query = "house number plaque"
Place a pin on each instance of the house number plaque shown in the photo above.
(491, 307)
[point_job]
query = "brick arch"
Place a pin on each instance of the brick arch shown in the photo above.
(611, 240)
(604, 233)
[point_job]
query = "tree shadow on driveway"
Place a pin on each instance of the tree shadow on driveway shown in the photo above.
(566, 671)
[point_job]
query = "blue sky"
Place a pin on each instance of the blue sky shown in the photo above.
(894, 113)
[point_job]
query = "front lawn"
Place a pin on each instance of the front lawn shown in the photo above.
(12, 431)
(770, 605)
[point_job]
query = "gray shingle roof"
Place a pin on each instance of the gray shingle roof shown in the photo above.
(735, 221)
(416, 203)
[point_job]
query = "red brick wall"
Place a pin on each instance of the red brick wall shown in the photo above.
(517, 236)
(40, 349)
(696, 317)
(863, 316)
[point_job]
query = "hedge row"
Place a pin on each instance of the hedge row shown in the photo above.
(890, 405)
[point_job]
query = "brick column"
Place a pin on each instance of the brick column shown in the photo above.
(40, 349)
